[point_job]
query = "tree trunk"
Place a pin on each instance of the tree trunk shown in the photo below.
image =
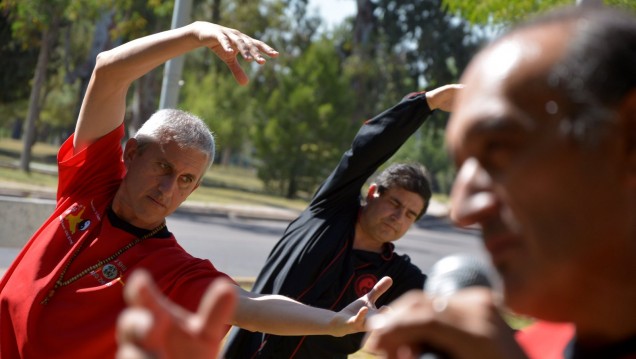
(216, 11)
(226, 156)
(39, 78)
(145, 101)
(101, 42)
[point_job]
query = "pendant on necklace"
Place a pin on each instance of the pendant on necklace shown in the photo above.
(110, 271)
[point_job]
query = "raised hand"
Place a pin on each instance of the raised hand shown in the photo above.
(227, 43)
(442, 97)
(354, 316)
(154, 327)
(463, 326)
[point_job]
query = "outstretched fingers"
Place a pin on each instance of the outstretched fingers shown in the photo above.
(250, 48)
(232, 42)
(217, 309)
(144, 323)
(153, 326)
(378, 289)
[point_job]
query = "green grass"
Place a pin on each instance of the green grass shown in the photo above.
(18, 177)
(10, 150)
(221, 184)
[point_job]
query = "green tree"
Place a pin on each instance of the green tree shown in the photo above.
(504, 11)
(33, 21)
(305, 123)
(388, 49)
(133, 19)
(226, 108)
(413, 44)
(209, 89)
(16, 62)
(59, 31)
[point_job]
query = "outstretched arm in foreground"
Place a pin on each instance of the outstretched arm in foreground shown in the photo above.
(154, 327)
(279, 315)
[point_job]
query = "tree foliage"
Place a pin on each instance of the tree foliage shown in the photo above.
(428, 47)
(505, 12)
(210, 90)
(56, 28)
(17, 62)
(225, 107)
(305, 123)
(300, 111)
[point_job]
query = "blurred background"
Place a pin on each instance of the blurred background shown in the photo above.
(342, 61)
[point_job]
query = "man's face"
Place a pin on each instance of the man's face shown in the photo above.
(158, 179)
(545, 204)
(386, 217)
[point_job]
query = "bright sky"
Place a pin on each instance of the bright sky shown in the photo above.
(333, 11)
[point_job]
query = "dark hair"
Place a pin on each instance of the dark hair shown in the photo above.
(412, 177)
(599, 67)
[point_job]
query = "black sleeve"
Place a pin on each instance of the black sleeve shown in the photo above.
(377, 140)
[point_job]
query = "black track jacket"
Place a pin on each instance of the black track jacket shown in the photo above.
(314, 261)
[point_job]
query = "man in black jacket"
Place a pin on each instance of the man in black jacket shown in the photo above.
(338, 248)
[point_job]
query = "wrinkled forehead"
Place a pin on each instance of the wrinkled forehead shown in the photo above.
(510, 80)
(181, 158)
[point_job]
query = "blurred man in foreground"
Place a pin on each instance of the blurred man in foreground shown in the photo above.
(544, 137)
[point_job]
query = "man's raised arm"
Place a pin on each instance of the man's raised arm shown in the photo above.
(104, 104)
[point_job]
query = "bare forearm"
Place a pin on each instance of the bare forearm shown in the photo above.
(128, 62)
(104, 104)
(275, 314)
(280, 315)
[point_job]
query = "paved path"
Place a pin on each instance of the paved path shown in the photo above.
(33, 203)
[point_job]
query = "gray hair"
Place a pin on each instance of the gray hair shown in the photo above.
(184, 128)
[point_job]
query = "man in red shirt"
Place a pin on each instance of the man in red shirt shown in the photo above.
(62, 295)
(544, 138)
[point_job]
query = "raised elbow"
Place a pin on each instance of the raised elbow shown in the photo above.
(103, 62)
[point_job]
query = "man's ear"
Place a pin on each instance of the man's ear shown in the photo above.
(130, 150)
(372, 192)
(627, 114)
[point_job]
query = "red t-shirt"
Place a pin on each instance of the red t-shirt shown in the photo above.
(545, 340)
(79, 320)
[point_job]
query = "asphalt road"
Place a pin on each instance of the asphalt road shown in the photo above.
(240, 246)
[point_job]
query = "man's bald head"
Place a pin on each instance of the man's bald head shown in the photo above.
(579, 63)
(544, 138)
